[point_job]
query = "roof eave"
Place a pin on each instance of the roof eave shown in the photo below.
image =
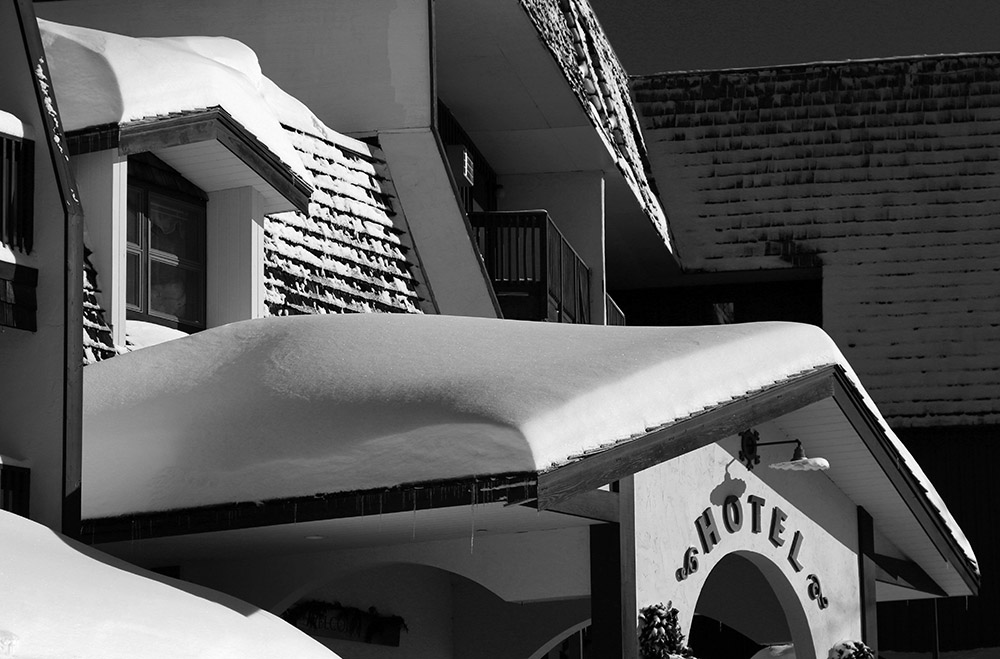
(284, 189)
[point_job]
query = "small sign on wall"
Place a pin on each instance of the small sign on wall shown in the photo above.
(332, 620)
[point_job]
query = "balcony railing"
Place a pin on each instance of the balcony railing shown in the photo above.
(536, 274)
(615, 316)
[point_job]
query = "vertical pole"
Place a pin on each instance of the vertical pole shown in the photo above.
(866, 579)
(612, 582)
(605, 591)
(626, 537)
(937, 638)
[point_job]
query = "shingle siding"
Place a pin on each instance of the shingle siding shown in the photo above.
(887, 173)
(350, 253)
(98, 343)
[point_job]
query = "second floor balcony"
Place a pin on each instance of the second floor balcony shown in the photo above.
(536, 274)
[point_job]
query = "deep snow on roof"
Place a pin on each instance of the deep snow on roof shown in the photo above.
(63, 599)
(104, 78)
(286, 407)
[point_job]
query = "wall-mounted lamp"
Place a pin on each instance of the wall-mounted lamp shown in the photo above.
(799, 462)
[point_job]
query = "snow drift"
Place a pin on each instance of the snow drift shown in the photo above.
(63, 599)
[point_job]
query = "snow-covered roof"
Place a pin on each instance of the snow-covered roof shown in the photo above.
(104, 78)
(572, 33)
(289, 407)
(64, 599)
(881, 171)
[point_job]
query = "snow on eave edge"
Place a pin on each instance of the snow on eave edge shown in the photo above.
(910, 469)
(816, 63)
(924, 490)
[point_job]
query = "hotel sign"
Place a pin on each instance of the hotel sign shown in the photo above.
(752, 512)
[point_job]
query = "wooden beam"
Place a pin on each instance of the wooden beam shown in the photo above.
(605, 591)
(866, 579)
(632, 456)
(865, 423)
(600, 505)
(905, 574)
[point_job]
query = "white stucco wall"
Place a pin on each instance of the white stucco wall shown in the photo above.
(102, 182)
(670, 497)
(437, 223)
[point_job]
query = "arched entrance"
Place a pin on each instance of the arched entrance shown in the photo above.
(747, 605)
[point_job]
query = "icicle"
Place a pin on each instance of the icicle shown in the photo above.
(472, 536)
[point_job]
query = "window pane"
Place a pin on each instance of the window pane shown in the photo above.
(133, 280)
(176, 292)
(175, 228)
(135, 210)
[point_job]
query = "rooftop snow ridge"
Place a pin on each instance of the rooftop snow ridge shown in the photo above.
(106, 78)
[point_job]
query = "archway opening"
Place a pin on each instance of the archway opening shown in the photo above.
(746, 610)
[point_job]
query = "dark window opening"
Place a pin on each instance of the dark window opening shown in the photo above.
(165, 235)
(482, 194)
(798, 301)
(17, 183)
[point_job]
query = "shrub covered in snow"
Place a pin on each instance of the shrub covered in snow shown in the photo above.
(660, 636)
(850, 650)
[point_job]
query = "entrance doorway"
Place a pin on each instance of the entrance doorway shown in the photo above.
(747, 609)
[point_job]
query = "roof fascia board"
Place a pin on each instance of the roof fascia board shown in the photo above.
(630, 457)
(600, 505)
(217, 124)
(189, 128)
(852, 404)
(512, 488)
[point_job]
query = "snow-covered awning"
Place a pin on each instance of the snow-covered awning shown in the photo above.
(281, 408)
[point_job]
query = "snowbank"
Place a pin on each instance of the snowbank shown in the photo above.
(295, 406)
(63, 599)
(105, 78)
(141, 334)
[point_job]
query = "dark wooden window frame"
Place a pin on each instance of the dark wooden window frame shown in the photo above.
(17, 192)
(181, 193)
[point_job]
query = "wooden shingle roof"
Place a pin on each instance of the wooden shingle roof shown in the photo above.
(885, 173)
(351, 253)
(572, 33)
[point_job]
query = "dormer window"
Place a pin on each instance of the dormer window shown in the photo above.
(165, 268)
